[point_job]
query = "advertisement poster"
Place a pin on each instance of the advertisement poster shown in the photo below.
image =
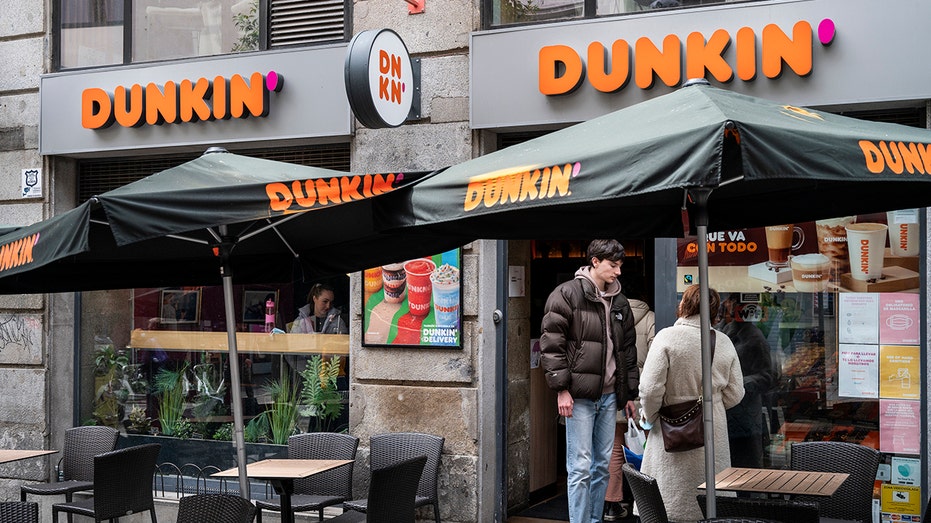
(899, 427)
(900, 499)
(858, 317)
(857, 373)
(898, 318)
(899, 372)
(414, 303)
(906, 471)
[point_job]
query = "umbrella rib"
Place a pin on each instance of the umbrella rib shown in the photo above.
(273, 226)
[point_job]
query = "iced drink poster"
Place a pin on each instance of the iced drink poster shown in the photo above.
(414, 303)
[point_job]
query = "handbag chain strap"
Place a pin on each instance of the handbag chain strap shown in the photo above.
(688, 414)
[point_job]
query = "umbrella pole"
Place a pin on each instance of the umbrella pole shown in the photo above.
(235, 388)
(701, 225)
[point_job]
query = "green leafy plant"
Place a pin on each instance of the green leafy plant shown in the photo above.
(183, 429)
(171, 387)
(256, 430)
(282, 414)
(109, 393)
(319, 395)
(138, 422)
(248, 25)
(224, 433)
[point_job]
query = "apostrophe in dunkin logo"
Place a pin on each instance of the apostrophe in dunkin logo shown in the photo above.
(303, 195)
(609, 68)
(897, 157)
(517, 185)
(17, 252)
(202, 99)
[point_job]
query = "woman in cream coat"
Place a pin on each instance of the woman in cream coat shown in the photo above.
(672, 374)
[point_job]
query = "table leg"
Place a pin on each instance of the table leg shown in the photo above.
(284, 488)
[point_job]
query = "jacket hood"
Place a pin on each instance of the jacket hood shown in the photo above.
(612, 289)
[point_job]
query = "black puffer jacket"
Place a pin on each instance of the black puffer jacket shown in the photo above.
(573, 342)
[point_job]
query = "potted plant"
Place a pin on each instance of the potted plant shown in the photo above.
(108, 364)
(137, 422)
(171, 388)
(319, 395)
(282, 414)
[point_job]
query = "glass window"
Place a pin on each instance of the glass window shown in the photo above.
(159, 363)
(825, 317)
(183, 28)
(91, 33)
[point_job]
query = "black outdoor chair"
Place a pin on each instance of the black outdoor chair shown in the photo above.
(853, 500)
(796, 511)
(122, 485)
(215, 508)
(392, 447)
(77, 461)
(326, 488)
(647, 496)
(19, 512)
(391, 496)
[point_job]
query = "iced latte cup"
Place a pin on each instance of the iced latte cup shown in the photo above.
(832, 242)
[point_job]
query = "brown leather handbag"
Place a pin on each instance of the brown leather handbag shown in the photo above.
(683, 424)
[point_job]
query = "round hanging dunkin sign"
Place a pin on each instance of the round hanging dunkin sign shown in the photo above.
(379, 78)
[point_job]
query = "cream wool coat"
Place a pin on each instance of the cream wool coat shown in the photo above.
(672, 374)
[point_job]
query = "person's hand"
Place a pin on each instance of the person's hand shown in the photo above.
(631, 410)
(564, 403)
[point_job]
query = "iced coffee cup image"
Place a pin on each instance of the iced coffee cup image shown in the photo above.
(779, 244)
(866, 243)
(810, 272)
(903, 237)
(419, 286)
(832, 242)
(445, 280)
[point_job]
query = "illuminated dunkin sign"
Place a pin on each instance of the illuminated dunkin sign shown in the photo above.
(382, 82)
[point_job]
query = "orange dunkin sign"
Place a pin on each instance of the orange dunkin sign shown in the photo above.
(18, 252)
(310, 194)
(897, 157)
(517, 185)
(203, 99)
(562, 69)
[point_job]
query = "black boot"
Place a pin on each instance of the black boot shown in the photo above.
(616, 510)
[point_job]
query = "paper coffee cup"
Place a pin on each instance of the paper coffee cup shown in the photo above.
(810, 272)
(866, 243)
(903, 236)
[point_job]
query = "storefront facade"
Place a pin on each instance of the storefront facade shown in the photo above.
(482, 87)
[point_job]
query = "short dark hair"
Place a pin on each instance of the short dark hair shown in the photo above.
(610, 250)
(691, 302)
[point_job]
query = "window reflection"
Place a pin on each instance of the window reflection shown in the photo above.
(91, 32)
(180, 29)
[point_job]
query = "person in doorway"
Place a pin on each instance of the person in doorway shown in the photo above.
(589, 353)
(319, 315)
(672, 373)
(745, 420)
(616, 508)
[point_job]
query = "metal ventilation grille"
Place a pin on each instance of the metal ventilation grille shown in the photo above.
(98, 176)
(911, 116)
(301, 22)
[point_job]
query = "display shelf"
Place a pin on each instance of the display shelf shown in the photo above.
(252, 342)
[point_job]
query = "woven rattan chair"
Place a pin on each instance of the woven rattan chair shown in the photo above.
(386, 449)
(122, 485)
(77, 461)
(647, 496)
(19, 512)
(215, 508)
(320, 490)
(853, 500)
(796, 511)
(392, 494)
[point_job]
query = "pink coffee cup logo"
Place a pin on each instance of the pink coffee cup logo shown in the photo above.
(419, 287)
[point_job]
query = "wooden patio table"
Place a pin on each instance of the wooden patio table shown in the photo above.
(9, 455)
(282, 473)
(775, 481)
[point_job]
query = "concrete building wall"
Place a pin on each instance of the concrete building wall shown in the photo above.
(25, 346)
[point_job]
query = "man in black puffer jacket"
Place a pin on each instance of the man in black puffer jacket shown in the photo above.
(589, 354)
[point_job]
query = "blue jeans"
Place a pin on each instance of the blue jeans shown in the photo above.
(589, 441)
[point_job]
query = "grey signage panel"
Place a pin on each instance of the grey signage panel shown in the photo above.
(311, 103)
(876, 56)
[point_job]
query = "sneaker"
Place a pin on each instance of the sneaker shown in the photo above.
(616, 511)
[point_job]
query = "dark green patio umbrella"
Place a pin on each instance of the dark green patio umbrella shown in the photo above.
(218, 219)
(699, 158)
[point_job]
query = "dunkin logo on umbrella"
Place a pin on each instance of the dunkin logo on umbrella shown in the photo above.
(897, 157)
(301, 195)
(17, 252)
(517, 185)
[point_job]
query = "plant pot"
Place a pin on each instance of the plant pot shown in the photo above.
(202, 452)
